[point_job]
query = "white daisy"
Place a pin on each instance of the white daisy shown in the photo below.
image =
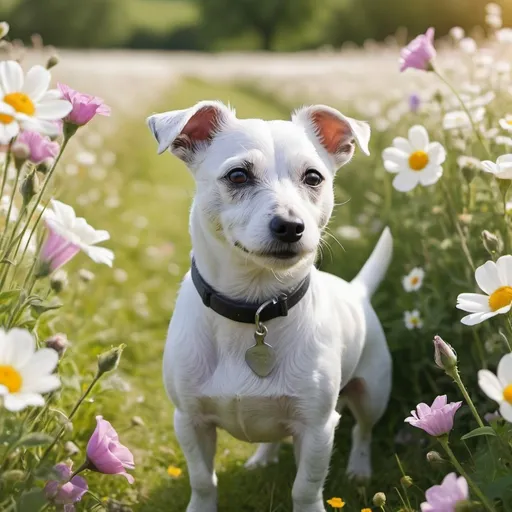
(414, 160)
(503, 141)
(506, 123)
(67, 231)
(457, 33)
(502, 169)
(458, 119)
(24, 373)
(413, 280)
(494, 279)
(468, 45)
(412, 320)
(499, 388)
(468, 162)
(4, 29)
(26, 102)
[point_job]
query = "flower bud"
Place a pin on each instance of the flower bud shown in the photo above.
(71, 448)
(434, 457)
(379, 499)
(137, 421)
(20, 152)
(52, 61)
(59, 280)
(45, 166)
(4, 29)
(444, 355)
(493, 243)
(58, 342)
(30, 187)
(406, 481)
(85, 275)
(109, 360)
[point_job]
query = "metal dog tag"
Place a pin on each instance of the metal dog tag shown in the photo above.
(261, 357)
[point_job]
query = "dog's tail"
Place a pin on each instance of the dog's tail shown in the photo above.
(373, 271)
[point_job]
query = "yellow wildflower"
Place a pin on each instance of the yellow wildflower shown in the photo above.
(336, 503)
(174, 472)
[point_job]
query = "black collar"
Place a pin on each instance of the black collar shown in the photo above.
(245, 312)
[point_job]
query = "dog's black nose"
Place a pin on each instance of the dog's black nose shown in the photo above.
(287, 230)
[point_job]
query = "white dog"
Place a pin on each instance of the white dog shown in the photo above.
(264, 196)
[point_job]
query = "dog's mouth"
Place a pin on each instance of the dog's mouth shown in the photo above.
(280, 253)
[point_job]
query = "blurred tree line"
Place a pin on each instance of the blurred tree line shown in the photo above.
(234, 24)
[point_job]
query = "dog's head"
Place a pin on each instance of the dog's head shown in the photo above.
(264, 188)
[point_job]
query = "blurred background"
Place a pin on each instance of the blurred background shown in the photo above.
(220, 25)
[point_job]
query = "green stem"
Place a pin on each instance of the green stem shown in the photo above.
(443, 440)
(466, 110)
(6, 167)
(9, 209)
(71, 414)
(454, 374)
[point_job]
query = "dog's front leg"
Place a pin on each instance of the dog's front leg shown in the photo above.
(198, 444)
(313, 451)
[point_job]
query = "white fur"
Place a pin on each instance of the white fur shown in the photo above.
(331, 337)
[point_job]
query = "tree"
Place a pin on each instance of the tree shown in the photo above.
(71, 23)
(228, 18)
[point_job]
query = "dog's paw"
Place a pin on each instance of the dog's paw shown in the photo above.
(359, 470)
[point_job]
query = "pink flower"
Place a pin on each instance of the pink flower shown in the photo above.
(445, 497)
(85, 106)
(40, 147)
(65, 491)
(437, 419)
(56, 252)
(106, 454)
(419, 52)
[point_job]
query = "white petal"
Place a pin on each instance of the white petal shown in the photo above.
(477, 318)
(99, 254)
(6, 109)
(393, 167)
(53, 109)
(430, 175)
(506, 411)
(41, 384)
(11, 76)
(489, 166)
(505, 370)
(65, 214)
(436, 153)
(42, 363)
(418, 137)
(37, 81)
(403, 144)
(504, 266)
(490, 385)
(396, 156)
(41, 126)
(487, 277)
(504, 159)
(52, 94)
(17, 402)
(8, 132)
(23, 345)
(405, 181)
(473, 303)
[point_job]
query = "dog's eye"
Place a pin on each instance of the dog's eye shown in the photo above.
(312, 178)
(238, 176)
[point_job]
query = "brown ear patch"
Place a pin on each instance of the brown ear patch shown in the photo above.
(202, 125)
(335, 135)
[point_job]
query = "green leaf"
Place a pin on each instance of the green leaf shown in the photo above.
(39, 307)
(35, 439)
(32, 500)
(480, 431)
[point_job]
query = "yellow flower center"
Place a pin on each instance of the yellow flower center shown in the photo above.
(500, 298)
(20, 102)
(10, 378)
(509, 122)
(507, 394)
(415, 280)
(5, 119)
(418, 160)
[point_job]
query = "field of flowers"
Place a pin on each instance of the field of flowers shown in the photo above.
(84, 309)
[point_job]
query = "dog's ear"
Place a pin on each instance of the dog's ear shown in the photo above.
(185, 132)
(334, 132)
